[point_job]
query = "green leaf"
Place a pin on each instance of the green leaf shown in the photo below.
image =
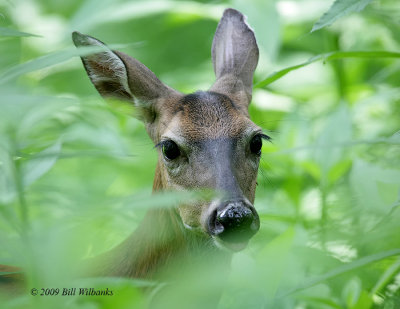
(395, 137)
(41, 163)
(53, 59)
(364, 301)
(386, 277)
(107, 12)
(312, 168)
(169, 198)
(337, 130)
(7, 185)
(339, 9)
(376, 188)
(338, 170)
(321, 301)
(15, 33)
(276, 253)
(351, 292)
(364, 261)
(326, 57)
(6, 273)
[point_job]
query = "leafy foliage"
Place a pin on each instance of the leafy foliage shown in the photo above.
(13, 33)
(76, 172)
(339, 9)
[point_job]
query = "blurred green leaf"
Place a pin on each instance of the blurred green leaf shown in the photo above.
(346, 268)
(313, 169)
(339, 9)
(50, 60)
(326, 303)
(386, 277)
(276, 252)
(7, 185)
(337, 130)
(40, 163)
(364, 302)
(327, 57)
(351, 292)
(169, 199)
(5, 273)
(338, 170)
(368, 180)
(14, 33)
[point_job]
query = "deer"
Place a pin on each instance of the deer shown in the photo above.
(204, 140)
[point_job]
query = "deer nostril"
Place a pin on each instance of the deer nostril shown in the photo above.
(234, 223)
(214, 225)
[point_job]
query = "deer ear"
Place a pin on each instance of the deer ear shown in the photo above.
(235, 57)
(117, 75)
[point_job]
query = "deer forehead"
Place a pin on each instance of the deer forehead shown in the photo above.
(206, 116)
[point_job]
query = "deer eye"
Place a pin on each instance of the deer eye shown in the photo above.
(256, 144)
(170, 150)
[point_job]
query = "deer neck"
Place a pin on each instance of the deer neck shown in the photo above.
(160, 240)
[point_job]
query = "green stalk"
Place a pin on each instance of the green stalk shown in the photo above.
(327, 57)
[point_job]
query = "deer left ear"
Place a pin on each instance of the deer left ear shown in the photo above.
(235, 57)
(117, 75)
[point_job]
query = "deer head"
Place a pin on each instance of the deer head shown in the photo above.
(204, 139)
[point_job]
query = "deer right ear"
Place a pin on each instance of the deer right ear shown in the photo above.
(117, 75)
(235, 57)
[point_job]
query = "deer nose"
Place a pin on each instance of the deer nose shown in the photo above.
(234, 222)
